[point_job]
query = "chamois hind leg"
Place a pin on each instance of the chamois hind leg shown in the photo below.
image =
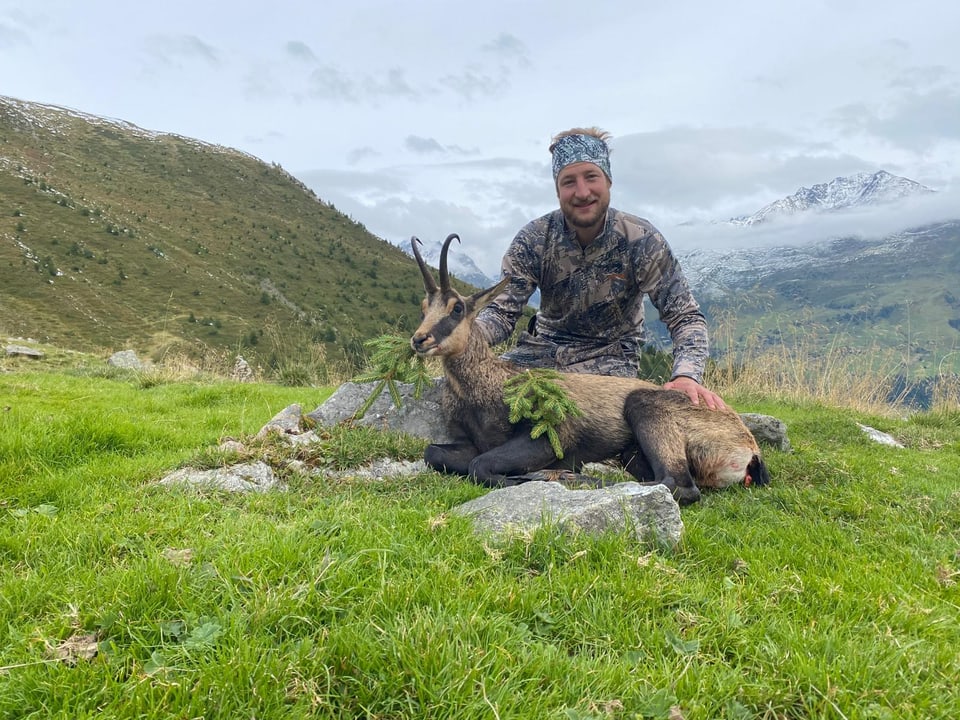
(636, 464)
(506, 464)
(452, 457)
(662, 442)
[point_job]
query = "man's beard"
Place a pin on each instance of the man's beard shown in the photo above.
(589, 222)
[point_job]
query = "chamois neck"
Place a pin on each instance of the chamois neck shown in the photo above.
(474, 367)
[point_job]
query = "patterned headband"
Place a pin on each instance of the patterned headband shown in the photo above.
(580, 148)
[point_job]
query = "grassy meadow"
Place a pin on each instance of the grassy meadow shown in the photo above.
(831, 593)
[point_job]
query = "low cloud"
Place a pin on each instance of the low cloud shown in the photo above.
(865, 223)
(300, 51)
(508, 49)
(917, 120)
(11, 37)
(330, 83)
(429, 146)
(175, 49)
(393, 83)
(422, 146)
(358, 155)
(472, 84)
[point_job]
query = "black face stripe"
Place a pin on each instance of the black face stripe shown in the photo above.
(444, 328)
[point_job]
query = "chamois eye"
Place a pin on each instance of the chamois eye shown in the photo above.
(457, 309)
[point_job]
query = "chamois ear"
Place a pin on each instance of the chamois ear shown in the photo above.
(481, 299)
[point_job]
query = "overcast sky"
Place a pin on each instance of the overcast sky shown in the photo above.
(434, 116)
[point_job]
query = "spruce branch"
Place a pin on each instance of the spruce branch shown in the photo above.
(392, 360)
(535, 395)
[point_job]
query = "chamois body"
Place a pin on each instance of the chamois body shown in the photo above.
(659, 434)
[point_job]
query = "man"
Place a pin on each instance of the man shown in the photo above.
(593, 265)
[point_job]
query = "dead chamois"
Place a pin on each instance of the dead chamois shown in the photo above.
(659, 435)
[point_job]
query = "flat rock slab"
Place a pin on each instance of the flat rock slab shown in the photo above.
(648, 511)
(248, 477)
(24, 351)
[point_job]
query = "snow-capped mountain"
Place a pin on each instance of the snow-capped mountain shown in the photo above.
(459, 263)
(853, 191)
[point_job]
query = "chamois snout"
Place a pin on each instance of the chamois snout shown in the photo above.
(422, 343)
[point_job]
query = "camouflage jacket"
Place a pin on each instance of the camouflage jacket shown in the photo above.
(591, 309)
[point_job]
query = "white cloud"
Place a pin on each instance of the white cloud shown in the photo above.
(11, 36)
(176, 49)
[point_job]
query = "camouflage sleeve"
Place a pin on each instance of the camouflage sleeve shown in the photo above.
(498, 320)
(670, 293)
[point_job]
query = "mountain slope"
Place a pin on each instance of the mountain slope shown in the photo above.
(897, 295)
(113, 236)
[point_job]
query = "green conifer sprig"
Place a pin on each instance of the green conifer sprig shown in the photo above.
(536, 396)
(392, 360)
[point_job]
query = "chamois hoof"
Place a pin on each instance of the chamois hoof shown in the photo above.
(683, 494)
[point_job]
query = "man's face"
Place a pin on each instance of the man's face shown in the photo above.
(584, 193)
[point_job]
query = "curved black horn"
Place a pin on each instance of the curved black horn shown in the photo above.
(444, 276)
(429, 284)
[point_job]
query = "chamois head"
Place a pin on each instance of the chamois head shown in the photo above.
(447, 315)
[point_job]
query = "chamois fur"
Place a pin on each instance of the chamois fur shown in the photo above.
(659, 435)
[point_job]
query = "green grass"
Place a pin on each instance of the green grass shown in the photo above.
(831, 593)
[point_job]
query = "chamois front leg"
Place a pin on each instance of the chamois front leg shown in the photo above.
(662, 442)
(505, 464)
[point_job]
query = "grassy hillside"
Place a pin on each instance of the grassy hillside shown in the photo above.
(114, 237)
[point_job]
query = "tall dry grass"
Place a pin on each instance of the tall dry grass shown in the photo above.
(808, 361)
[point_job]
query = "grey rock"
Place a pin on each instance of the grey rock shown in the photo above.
(242, 372)
(767, 430)
(234, 446)
(126, 359)
(23, 351)
(879, 436)
(649, 511)
(285, 422)
(381, 468)
(248, 477)
(417, 417)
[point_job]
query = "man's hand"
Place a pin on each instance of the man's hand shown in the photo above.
(696, 392)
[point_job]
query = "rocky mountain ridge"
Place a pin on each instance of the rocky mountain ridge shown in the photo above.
(842, 193)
